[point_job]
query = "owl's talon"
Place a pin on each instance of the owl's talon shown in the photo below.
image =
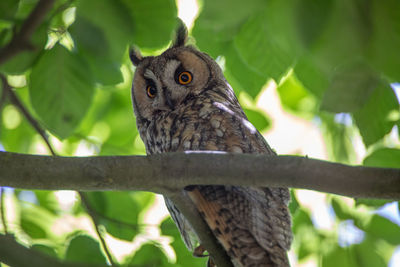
(210, 263)
(199, 252)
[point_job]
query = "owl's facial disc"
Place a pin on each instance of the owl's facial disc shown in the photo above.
(162, 83)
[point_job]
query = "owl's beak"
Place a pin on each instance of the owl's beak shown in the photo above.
(162, 107)
(169, 103)
(163, 102)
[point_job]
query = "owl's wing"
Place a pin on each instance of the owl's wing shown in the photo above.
(252, 224)
(189, 236)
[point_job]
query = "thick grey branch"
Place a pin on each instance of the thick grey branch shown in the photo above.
(166, 173)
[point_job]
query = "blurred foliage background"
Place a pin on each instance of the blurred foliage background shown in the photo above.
(330, 66)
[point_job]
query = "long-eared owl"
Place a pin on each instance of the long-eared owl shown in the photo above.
(182, 102)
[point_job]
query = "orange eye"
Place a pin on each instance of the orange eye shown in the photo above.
(185, 77)
(151, 91)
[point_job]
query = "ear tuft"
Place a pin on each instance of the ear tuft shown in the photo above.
(181, 34)
(135, 56)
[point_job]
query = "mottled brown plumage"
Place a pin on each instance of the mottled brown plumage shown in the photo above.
(183, 102)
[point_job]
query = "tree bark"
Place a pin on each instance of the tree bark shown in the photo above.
(167, 173)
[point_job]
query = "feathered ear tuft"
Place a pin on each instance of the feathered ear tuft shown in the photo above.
(135, 56)
(181, 34)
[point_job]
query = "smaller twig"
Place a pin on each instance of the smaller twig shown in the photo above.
(3, 98)
(2, 210)
(32, 121)
(93, 216)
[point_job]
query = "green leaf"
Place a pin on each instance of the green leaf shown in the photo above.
(32, 228)
(215, 21)
(312, 17)
(45, 250)
(383, 228)
(294, 204)
(337, 257)
(383, 50)
(8, 8)
(114, 20)
(25, 8)
(373, 119)
(85, 249)
(263, 48)
(257, 118)
(301, 219)
(350, 88)
(307, 239)
(169, 228)
(97, 201)
(245, 77)
(183, 256)
(151, 256)
(117, 111)
(385, 158)
(294, 96)
(265, 42)
(375, 203)
(61, 90)
(92, 44)
(311, 76)
(342, 211)
(366, 254)
(337, 39)
(118, 212)
(345, 35)
(47, 200)
(143, 200)
(36, 221)
(22, 61)
(154, 21)
(5, 34)
(337, 138)
(17, 139)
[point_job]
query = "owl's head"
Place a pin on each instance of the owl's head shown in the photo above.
(163, 83)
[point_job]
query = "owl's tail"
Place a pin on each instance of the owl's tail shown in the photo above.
(237, 234)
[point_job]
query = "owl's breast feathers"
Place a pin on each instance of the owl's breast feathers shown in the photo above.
(252, 224)
(212, 121)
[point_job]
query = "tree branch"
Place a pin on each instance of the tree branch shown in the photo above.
(167, 173)
(21, 40)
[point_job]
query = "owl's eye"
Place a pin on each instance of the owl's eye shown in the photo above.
(185, 77)
(151, 91)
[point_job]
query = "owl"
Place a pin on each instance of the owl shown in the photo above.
(183, 102)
